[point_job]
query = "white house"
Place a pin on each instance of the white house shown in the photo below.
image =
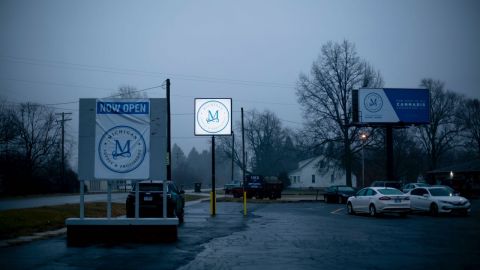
(308, 175)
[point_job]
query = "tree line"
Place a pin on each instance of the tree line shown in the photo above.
(30, 144)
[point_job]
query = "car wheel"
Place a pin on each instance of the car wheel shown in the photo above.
(130, 213)
(434, 210)
(372, 211)
(350, 210)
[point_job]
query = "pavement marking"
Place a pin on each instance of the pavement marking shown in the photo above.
(335, 212)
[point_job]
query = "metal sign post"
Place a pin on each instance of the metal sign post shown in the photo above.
(82, 199)
(213, 177)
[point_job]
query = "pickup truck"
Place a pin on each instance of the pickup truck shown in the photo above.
(231, 186)
(260, 187)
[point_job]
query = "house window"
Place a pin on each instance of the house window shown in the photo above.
(313, 178)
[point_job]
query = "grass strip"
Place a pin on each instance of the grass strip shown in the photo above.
(21, 222)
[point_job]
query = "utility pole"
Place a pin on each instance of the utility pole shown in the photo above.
(62, 122)
(169, 152)
(169, 138)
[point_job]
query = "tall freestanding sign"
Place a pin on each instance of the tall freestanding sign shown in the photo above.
(390, 108)
(213, 117)
(122, 139)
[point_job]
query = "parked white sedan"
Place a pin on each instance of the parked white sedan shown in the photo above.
(437, 200)
(377, 200)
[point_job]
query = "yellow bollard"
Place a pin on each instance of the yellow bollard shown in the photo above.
(244, 203)
(211, 203)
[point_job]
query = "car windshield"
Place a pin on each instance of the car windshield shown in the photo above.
(150, 187)
(422, 185)
(439, 192)
(390, 191)
(346, 189)
(393, 184)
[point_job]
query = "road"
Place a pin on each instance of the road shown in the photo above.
(19, 203)
(302, 235)
(6, 204)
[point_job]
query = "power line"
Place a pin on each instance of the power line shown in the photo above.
(97, 68)
(111, 96)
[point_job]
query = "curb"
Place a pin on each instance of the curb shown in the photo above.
(30, 238)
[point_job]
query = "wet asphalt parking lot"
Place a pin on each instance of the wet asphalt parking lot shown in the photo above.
(301, 235)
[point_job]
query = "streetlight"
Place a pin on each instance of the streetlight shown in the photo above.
(363, 137)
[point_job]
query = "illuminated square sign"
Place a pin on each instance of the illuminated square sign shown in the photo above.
(213, 116)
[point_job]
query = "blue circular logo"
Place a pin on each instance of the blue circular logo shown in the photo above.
(122, 149)
(373, 102)
(213, 117)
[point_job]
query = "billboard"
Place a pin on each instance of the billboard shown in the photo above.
(122, 139)
(213, 116)
(393, 105)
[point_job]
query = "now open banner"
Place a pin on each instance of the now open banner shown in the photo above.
(122, 139)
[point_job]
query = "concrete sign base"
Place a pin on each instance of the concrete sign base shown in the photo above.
(119, 230)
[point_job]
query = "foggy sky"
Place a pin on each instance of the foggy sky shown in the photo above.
(55, 52)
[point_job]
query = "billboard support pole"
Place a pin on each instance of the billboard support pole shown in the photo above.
(233, 151)
(82, 199)
(109, 199)
(137, 200)
(389, 147)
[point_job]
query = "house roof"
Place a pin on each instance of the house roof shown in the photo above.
(303, 163)
(470, 166)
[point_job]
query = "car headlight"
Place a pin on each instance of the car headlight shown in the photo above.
(446, 202)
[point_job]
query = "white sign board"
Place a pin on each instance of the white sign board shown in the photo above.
(122, 139)
(213, 116)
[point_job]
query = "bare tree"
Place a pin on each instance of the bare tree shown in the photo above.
(38, 135)
(8, 124)
(469, 121)
(326, 95)
(127, 91)
(439, 136)
(274, 149)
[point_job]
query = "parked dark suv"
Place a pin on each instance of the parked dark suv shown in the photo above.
(392, 184)
(338, 194)
(151, 200)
